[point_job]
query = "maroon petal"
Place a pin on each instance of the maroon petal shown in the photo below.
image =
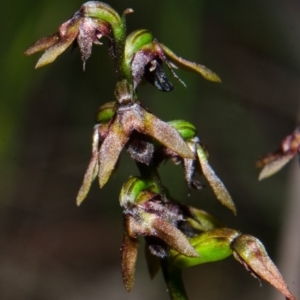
(129, 253)
(166, 135)
(110, 151)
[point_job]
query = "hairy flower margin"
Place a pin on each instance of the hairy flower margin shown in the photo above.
(177, 236)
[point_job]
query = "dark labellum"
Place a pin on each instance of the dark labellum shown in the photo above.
(156, 246)
(155, 74)
(140, 148)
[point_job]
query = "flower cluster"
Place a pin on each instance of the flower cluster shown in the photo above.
(185, 236)
(177, 236)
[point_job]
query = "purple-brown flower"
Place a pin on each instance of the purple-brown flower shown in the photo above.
(146, 56)
(94, 20)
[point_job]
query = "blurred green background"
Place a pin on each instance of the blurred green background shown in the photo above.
(51, 249)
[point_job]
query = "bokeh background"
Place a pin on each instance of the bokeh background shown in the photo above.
(51, 249)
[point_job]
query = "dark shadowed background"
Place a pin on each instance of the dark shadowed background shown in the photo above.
(52, 250)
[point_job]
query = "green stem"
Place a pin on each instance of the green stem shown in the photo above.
(174, 282)
(122, 68)
(119, 47)
(150, 173)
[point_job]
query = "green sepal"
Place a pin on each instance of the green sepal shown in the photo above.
(202, 220)
(105, 112)
(131, 192)
(186, 129)
(135, 41)
(213, 245)
(101, 11)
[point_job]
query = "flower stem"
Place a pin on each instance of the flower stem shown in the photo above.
(150, 173)
(121, 66)
(173, 279)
